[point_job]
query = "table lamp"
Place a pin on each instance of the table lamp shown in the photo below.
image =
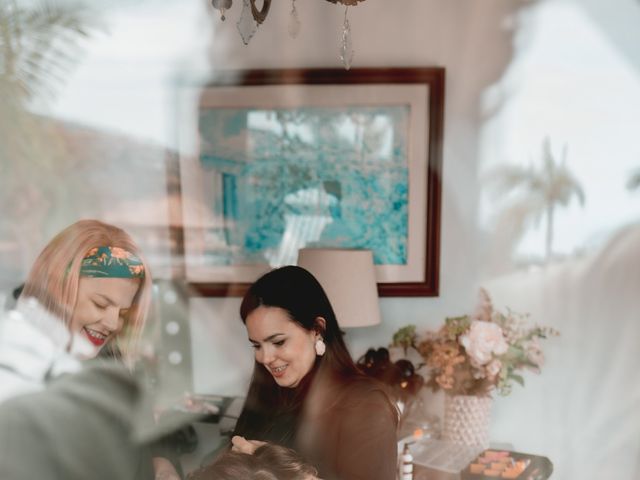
(348, 277)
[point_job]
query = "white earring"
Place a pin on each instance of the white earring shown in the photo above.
(320, 347)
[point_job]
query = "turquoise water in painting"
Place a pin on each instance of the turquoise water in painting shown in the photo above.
(285, 179)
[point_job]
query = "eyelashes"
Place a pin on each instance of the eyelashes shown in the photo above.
(100, 306)
(279, 343)
(122, 316)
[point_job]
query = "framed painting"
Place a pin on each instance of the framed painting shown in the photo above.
(278, 160)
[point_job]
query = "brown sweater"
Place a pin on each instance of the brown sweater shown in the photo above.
(352, 435)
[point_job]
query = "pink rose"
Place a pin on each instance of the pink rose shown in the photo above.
(482, 340)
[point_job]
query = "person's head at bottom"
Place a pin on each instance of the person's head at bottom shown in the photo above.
(268, 462)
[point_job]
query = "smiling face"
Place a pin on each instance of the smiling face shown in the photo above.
(282, 346)
(102, 307)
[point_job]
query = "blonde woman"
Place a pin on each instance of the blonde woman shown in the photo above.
(93, 277)
(88, 291)
(88, 294)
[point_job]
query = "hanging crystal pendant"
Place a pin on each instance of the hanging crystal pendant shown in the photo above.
(346, 2)
(247, 26)
(346, 48)
(222, 5)
(294, 21)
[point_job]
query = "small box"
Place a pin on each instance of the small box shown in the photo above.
(505, 464)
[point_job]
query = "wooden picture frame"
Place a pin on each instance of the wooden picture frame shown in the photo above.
(282, 159)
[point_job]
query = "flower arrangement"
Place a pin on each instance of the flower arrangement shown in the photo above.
(479, 353)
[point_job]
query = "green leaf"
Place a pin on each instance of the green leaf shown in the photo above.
(517, 379)
(457, 325)
(405, 337)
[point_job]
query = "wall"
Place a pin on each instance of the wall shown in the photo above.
(470, 41)
(482, 45)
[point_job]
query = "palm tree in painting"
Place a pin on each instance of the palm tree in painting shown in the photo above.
(539, 191)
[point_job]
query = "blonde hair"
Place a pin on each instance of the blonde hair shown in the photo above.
(54, 277)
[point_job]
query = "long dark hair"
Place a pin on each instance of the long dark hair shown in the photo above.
(272, 412)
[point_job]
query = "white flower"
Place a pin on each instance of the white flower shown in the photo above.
(534, 353)
(483, 340)
(494, 368)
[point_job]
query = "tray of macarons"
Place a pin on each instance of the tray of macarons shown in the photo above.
(493, 464)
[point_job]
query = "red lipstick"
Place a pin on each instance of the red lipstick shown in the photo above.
(98, 342)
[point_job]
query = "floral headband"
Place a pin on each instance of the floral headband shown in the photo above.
(111, 262)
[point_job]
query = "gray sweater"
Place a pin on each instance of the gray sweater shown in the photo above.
(81, 427)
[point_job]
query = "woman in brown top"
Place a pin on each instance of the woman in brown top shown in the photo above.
(306, 392)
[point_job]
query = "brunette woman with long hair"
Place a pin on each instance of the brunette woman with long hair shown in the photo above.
(306, 392)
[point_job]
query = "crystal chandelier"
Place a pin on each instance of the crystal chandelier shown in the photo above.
(252, 17)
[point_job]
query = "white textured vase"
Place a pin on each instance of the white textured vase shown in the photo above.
(467, 419)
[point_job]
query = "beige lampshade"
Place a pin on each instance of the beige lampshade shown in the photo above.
(348, 277)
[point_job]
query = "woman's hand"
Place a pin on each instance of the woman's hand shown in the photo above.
(242, 445)
(164, 469)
